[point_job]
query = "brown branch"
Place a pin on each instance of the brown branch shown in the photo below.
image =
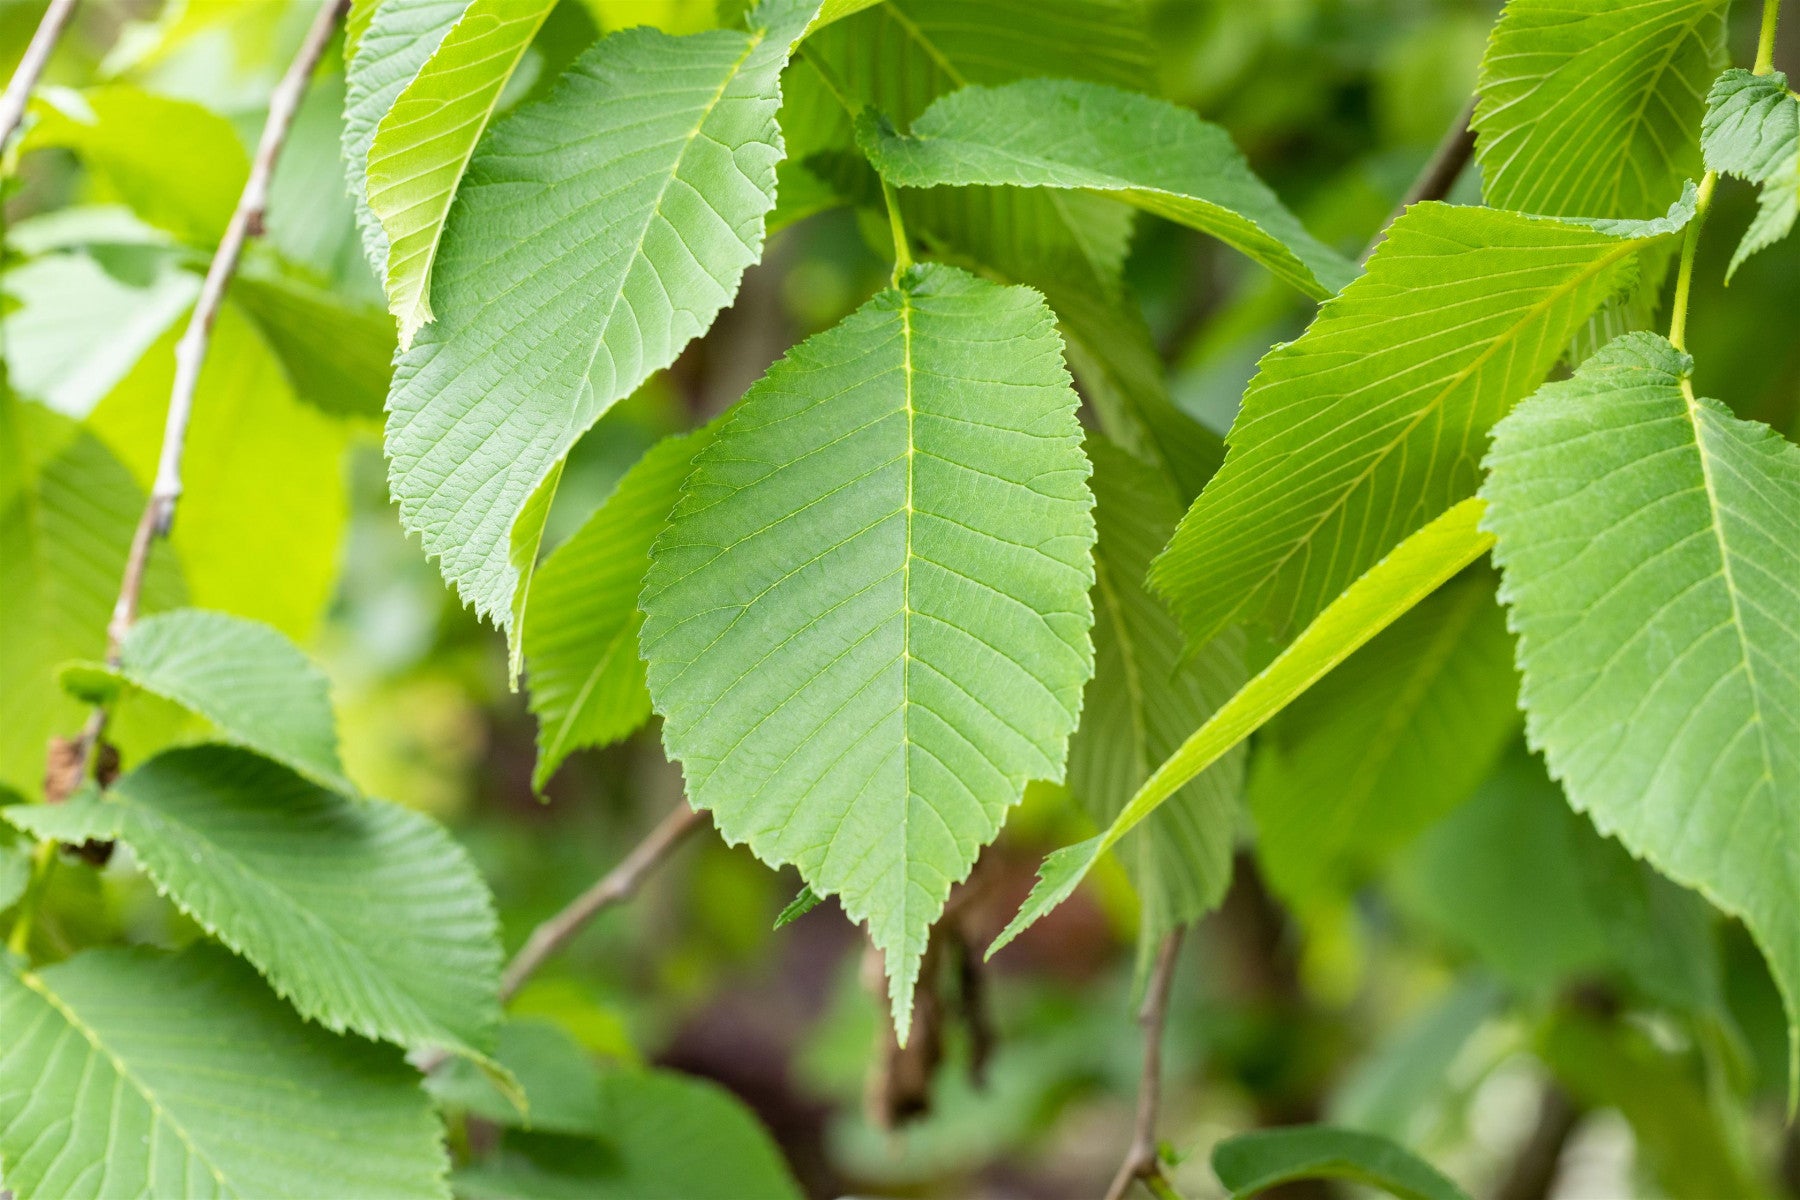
(1142, 1161)
(618, 884)
(1441, 172)
(31, 67)
(190, 352)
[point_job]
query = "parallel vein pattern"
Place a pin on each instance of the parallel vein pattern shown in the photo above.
(867, 624)
(1374, 421)
(365, 915)
(595, 233)
(424, 143)
(1651, 549)
(1145, 698)
(136, 1073)
(254, 685)
(1588, 107)
(1049, 133)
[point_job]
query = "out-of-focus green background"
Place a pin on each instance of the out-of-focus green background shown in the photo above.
(1490, 979)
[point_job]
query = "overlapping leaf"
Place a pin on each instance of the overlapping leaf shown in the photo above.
(1049, 133)
(867, 624)
(596, 232)
(68, 509)
(1384, 745)
(254, 685)
(1589, 108)
(1651, 551)
(365, 915)
(1374, 421)
(424, 143)
(393, 40)
(1752, 130)
(1416, 568)
(581, 634)
(135, 1073)
(1145, 698)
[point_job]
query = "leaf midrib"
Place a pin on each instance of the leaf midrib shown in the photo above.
(33, 981)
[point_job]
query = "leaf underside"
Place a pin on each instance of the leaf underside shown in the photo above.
(867, 623)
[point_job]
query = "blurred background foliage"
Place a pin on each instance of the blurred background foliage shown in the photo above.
(1479, 974)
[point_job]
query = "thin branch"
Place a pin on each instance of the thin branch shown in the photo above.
(190, 351)
(31, 67)
(1142, 1161)
(617, 885)
(1442, 171)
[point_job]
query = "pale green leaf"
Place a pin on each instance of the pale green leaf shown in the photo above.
(179, 166)
(1384, 745)
(1145, 698)
(661, 1135)
(246, 418)
(68, 509)
(1143, 151)
(1252, 1163)
(867, 624)
(1650, 544)
(1590, 108)
(581, 631)
(596, 233)
(397, 38)
(254, 685)
(1374, 420)
(424, 143)
(1752, 130)
(1417, 567)
(366, 916)
(135, 1073)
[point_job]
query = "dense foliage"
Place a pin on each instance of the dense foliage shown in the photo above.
(895, 441)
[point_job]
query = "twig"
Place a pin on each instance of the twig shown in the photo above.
(31, 67)
(1142, 1161)
(618, 884)
(190, 351)
(1533, 1171)
(1439, 174)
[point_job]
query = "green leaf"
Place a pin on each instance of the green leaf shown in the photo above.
(68, 510)
(1265, 1158)
(867, 624)
(1589, 107)
(1145, 698)
(397, 38)
(1752, 131)
(798, 907)
(364, 915)
(661, 1134)
(178, 165)
(1650, 544)
(1146, 152)
(1385, 745)
(581, 631)
(560, 1083)
(1416, 568)
(639, 186)
(1374, 421)
(424, 143)
(131, 1072)
(337, 356)
(1526, 885)
(254, 685)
